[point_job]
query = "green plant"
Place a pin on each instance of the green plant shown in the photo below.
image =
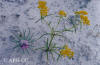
(76, 20)
(24, 41)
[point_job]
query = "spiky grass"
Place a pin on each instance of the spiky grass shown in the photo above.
(24, 41)
(49, 49)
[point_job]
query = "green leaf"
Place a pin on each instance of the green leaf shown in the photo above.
(43, 35)
(15, 46)
(58, 57)
(15, 41)
(28, 35)
(80, 24)
(70, 29)
(16, 36)
(47, 55)
(31, 36)
(46, 44)
(52, 55)
(60, 35)
(24, 32)
(38, 20)
(39, 48)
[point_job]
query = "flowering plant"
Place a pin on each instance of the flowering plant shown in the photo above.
(50, 47)
(24, 41)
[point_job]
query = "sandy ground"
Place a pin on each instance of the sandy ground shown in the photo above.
(21, 14)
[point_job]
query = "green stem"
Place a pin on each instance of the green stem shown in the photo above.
(38, 20)
(80, 24)
(39, 48)
(49, 25)
(58, 23)
(47, 55)
(52, 37)
(53, 32)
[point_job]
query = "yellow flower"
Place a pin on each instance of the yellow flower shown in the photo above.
(87, 22)
(66, 52)
(82, 17)
(82, 12)
(44, 12)
(62, 13)
(43, 8)
(42, 4)
(85, 19)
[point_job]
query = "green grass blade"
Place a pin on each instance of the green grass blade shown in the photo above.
(47, 55)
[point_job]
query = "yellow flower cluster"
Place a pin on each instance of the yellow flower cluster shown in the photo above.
(66, 52)
(82, 12)
(43, 8)
(62, 13)
(83, 17)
